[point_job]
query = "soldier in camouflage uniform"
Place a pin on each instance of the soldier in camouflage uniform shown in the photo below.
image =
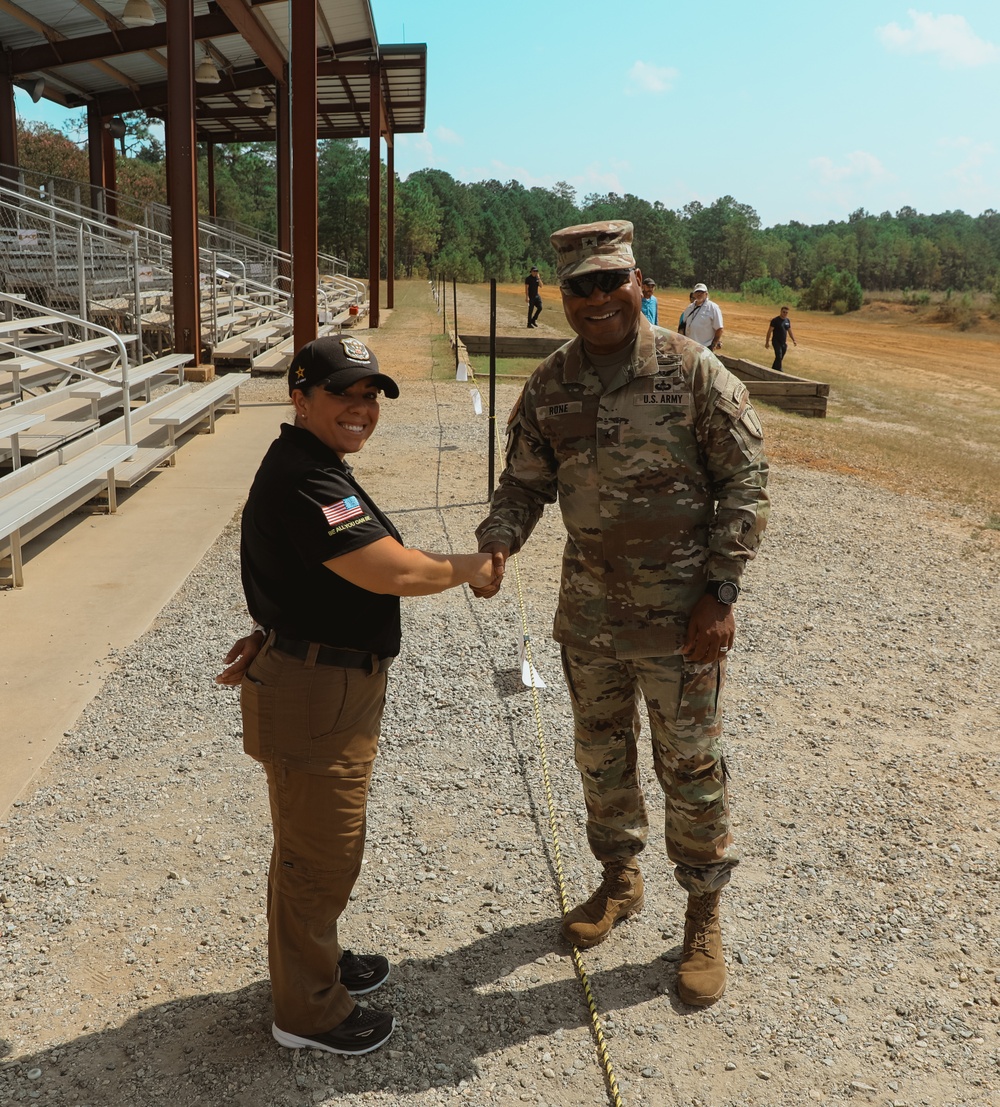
(655, 455)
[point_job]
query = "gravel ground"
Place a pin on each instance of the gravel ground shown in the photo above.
(860, 927)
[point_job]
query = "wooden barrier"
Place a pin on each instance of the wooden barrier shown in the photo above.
(798, 394)
(512, 345)
(804, 397)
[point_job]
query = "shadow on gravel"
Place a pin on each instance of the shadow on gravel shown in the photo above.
(508, 683)
(216, 1050)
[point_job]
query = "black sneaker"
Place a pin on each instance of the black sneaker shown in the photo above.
(362, 1031)
(361, 975)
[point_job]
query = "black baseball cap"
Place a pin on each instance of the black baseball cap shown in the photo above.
(336, 362)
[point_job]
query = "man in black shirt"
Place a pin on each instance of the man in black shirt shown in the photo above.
(532, 283)
(779, 330)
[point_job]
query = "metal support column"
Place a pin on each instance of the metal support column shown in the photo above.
(283, 154)
(182, 180)
(110, 172)
(390, 221)
(213, 207)
(95, 156)
(8, 131)
(305, 186)
(374, 192)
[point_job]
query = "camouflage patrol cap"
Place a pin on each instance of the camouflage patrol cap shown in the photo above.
(591, 246)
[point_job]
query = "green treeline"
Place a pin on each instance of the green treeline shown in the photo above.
(494, 229)
(499, 229)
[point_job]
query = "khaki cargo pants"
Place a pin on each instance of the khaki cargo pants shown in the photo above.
(685, 722)
(315, 729)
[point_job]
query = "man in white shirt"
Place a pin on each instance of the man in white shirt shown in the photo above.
(703, 319)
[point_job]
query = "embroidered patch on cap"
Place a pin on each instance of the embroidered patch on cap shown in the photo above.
(343, 509)
(355, 349)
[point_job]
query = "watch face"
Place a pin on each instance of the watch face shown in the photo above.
(728, 592)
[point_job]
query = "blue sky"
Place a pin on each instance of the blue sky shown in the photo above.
(806, 110)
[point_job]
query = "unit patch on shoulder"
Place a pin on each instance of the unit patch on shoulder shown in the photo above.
(355, 349)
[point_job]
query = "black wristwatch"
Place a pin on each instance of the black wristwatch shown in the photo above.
(725, 591)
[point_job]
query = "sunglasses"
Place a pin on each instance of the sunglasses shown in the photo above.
(607, 280)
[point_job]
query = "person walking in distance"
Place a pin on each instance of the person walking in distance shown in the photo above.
(703, 319)
(649, 304)
(532, 283)
(779, 330)
(655, 455)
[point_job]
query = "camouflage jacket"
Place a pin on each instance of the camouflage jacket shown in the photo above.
(661, 483)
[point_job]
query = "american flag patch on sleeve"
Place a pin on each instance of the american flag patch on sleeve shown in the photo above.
(343, 509)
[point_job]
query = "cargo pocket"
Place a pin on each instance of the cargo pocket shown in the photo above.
(256, 704)
(698, 715)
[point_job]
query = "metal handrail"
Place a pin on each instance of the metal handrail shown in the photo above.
(70, 370)
(263, 241)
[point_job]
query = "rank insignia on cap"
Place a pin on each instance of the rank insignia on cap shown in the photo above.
(300, 373)
(355, 350)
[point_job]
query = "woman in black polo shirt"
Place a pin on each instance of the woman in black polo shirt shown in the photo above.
(323, 570)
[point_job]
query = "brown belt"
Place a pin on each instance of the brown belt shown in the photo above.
(330, 655)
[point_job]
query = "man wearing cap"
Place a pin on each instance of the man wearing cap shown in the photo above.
(532, 283)
(649, 305)
(323, 570)
(779, 331)
(655, 455)
(703, 319)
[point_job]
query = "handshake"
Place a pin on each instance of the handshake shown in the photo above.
(487, 582)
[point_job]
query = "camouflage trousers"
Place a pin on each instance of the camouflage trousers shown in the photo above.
(685, 723)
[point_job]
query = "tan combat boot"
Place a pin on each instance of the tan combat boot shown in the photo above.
(620, 896)
(701, 974)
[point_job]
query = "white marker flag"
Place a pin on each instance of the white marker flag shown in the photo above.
(462, 372)
(477, 401)
(529, 674)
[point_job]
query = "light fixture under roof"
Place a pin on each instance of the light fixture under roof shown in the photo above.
(272, 118)
(138, 13)
(36, 89)
(256, 101)
(206, 73)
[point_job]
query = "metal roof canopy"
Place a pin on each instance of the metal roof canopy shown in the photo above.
(86, 55)
(81, 53)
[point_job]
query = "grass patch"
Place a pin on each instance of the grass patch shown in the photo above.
(912, 408)
(517, 368)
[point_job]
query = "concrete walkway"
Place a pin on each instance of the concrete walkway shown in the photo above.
(94, 584)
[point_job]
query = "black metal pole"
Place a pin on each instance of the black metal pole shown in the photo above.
(444, 306)
(493, 385)
(454, 315)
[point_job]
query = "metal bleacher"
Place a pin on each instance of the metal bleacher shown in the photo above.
(92, 394)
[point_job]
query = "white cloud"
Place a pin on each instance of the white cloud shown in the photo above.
(859, 165)
(445, 134)
(645, 77)
(501, 171)
(948, 36)
(594, 178)
(974, 161)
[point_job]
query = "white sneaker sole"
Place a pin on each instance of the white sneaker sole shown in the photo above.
(293, 1041)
